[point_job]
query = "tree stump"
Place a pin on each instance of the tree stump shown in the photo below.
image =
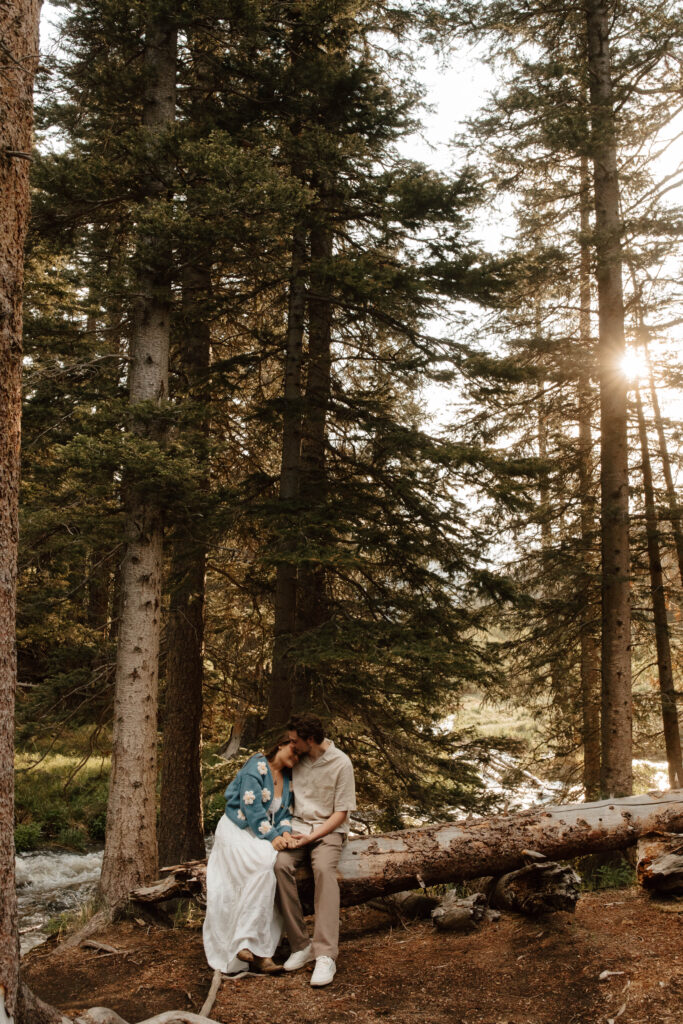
(538, 888)
(659, 867)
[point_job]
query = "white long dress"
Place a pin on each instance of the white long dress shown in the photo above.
(240, 896)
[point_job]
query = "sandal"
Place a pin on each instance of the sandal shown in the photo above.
(267, 966)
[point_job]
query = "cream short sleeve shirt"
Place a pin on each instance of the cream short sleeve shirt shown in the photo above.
(322, 787)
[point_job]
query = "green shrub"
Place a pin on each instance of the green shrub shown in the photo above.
(605, 871)
(213, 811)
(27, 836)
(97, 827)
(73, 838)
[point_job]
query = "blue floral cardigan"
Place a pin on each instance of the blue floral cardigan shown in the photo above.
(249, 795)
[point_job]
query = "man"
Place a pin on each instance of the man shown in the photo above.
(324, 793)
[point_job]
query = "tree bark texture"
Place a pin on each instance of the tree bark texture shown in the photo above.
(453, 852)
(311, 604)
(181, 825)
(130, 855)
(539, 888)
(616, 723)
(589, 646)
(18, 63)
(667, 691)
(659, 866)
(284, 628)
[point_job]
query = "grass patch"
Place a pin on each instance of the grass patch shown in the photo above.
(71, 920)
(59, 802)
(605, 871)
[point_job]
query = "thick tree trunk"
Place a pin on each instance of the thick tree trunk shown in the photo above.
(672, 735)
(590, 650)
(284, 628)
(385, 864)
(616, 769)
(18, 63)
(181, 826)
(130, 854)
(311, 603)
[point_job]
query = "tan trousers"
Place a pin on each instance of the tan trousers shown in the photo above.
(324, 856)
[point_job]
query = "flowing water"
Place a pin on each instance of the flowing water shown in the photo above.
(51, 882)
(48, 883)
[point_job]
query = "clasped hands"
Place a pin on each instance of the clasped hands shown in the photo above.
(290, 841)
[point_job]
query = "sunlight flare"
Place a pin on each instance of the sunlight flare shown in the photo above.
(634, 364)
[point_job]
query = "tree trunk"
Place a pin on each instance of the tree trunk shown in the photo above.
(590, 654)
(672, 499)
(18, 64)
(130, 854)
(282, 680)
(311, 603)
(672, 736)
(181, 826)
(453, 852)
(616, 771)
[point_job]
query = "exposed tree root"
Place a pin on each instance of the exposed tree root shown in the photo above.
(102, 1015)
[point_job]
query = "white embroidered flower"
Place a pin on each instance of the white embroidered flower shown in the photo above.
(285, 822)
(248, 797)
(241, 815)
(264, 827)
(265, 793)
(262, 767)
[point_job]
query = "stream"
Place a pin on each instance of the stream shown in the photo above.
(50, 882)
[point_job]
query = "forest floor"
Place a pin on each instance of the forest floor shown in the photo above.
(514, 971)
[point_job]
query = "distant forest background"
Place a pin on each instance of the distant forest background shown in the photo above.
(237, 497)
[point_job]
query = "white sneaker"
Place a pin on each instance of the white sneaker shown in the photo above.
(325, 970)
(298, 959)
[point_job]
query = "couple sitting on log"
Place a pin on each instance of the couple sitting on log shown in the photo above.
(283, 806)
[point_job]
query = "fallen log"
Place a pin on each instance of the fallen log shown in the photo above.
(380, 865)
(659, 867)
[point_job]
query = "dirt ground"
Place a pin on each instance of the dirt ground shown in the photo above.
(514, 971)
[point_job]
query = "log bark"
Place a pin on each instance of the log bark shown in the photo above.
(459, 914)
(660, 863)
(381, 865)
(539, 888)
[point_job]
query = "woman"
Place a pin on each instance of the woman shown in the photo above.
(242, 923)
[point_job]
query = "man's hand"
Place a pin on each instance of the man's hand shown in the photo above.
(299, 840)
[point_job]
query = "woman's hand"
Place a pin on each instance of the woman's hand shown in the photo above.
(280, 842)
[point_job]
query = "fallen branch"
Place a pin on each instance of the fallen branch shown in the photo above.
(102, 1015)
(213, 992)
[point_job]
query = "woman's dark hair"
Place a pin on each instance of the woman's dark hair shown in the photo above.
(307, 727)
(281, 741)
